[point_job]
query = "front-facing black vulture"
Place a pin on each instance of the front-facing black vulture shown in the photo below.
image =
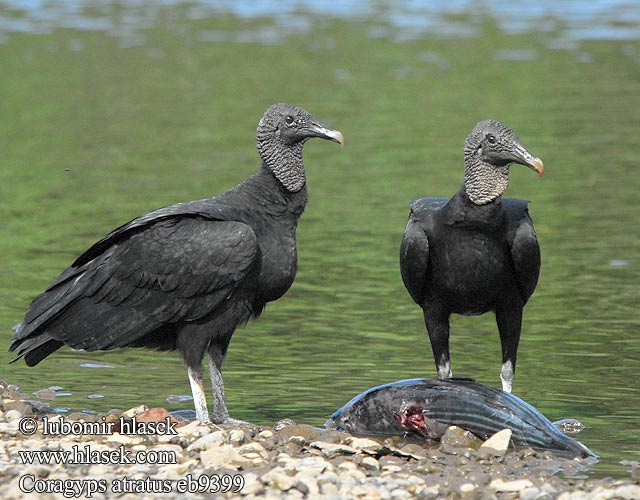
(186, 276)
(476, 252)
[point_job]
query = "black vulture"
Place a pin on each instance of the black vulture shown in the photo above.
(186, 276)
(476, 252)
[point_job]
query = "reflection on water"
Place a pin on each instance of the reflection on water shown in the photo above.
(405, 19)
(92, 135)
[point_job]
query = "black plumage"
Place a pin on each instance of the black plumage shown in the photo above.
(186, 276)
(475, 252)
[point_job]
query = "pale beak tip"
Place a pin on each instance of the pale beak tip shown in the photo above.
(538, 166)
(338, 137)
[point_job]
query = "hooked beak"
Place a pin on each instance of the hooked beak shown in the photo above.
(319, 130)
(525, 158)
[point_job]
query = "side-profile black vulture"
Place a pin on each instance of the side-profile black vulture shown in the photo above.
(476, 252)
(186, 276)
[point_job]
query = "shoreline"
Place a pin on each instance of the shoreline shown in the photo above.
(173, 458)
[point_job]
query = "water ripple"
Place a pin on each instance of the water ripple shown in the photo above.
(400, 21)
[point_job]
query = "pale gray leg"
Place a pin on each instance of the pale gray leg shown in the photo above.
(220, 412)
(506, 376)
(444, 369)
(199, 399)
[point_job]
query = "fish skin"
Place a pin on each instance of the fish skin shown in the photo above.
(478, 408)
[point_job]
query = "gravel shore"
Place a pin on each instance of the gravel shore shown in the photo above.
(288, 460)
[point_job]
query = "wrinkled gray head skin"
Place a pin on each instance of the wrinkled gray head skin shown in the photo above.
(489, 150)
(282, 132)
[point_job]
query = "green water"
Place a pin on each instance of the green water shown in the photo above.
(95, 131)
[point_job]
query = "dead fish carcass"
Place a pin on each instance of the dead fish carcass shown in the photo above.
(426, 407)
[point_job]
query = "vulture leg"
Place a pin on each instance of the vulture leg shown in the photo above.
(220, 412)
(199, 399)
(437, 323)
(509, 324)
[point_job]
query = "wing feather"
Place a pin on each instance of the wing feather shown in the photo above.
(174, 270)
(523, 242)
(414, 250)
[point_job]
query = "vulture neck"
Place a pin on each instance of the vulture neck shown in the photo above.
(484, 182)
(285, 161)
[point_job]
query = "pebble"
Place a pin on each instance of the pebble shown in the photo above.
(531, 493)
(457, 437)
(331, 450)
(132, 412)
(252, 484)
(308, 432)
(467, 487)
(370, 463)
(400, 494)
(124, 439)
(306, 481)
(316, 464)
(207, 441)
(413, 451)
(364, 444)
(509, 486)
(12, 415)
(279, 479)
(253, 447)
(236, 437)
(266, 435)
(498, 444)
(222, 456)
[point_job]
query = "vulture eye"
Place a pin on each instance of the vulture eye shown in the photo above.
(289, 119)
(491, 139)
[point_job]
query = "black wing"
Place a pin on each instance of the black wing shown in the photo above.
(523, 242)
(209, 208)
(176, 268)
(414, 250)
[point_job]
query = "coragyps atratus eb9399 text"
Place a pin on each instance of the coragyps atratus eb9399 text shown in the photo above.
(476, 252)
(186, 276)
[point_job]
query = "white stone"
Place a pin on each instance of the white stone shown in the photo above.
(252, 485)
(266, 434)
(347, 465)
(124, 439)
(530, 493)
(401, 494)
(236, 437)
(175, 471)
(195, 429)
(330, 491)
(510, 486)
(132, 412)
(222, 456)
(307, 482)
(391, 468)
(207, 441)
(331, 450)
(498, 443)
(317, 464)
(12, 415)
(365, 445)
(254, 447)
(279, 479)
(370, 463)
(467, 487)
